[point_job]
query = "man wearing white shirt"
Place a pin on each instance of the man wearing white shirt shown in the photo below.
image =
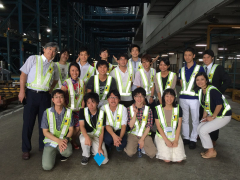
(86, 69)
(124, 77)
(117, 117)
(36, 74)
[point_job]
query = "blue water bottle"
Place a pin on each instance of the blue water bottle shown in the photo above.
(139, 152)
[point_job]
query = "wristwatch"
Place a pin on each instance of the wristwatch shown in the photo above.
(67, 138)
(213, 117)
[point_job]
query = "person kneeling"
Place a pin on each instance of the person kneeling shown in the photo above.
(140, 121)
(92, 121)
(116, 122)
(57, 126)
(169, 119)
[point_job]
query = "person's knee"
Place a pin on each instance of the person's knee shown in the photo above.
(151, 154)
(130, 153)
(202, 131)
(47, 167)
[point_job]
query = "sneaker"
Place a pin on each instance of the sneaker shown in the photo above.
(62, 158)
(192, 145)
(118, 149)
(186, 141)
(84, 160)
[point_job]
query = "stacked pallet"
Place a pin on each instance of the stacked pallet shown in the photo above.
(9, 92)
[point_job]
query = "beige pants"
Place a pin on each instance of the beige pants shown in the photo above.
(95, 145)
(132, 144)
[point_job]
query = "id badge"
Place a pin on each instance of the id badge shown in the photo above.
(53, 145)
(168, 129)
(207, 106)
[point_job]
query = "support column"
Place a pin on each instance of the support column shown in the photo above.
(20, 29)
(38, 28)
(8, 51)
(59, 26)
(50, 20)
(214, 48)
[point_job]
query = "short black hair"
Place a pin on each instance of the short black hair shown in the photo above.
(102, 62)
(76, 65)
(104, 49)
(196, 88)
(147, 57)
(122, 55)
(82, 49)
(189, 49)
(63, 51)
(165, 60)
(171, 92)
(139, 90)
(59, 91)
(92, 95)
(115, 92)
(209, 52)
(133, 46)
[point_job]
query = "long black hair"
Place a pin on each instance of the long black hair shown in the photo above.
(196, 88)
(76, 65)
(171, 92)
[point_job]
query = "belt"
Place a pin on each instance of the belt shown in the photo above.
(40, 92)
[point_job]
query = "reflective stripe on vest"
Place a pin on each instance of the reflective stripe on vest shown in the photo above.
(41, 82)
(146, 84)
(115, 123)
(169, 81)
(106, 89)
(75, 104)
(187, 87)
(207, 106)
(137, 130)
(169, 131)
(52, 125)
(60, 80)
(124, 91)
(131, 67)
(89, 73)
(211, 73)
(96, 132)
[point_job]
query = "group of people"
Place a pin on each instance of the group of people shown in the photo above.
(106, 106)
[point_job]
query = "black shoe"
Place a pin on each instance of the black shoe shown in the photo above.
(186, 141)
(192, 145)
(84, 160)
(62, 158)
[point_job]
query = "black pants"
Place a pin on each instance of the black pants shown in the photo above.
(109, 140)
(37, 103)
(214, 134)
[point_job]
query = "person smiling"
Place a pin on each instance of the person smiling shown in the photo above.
(217, 112)
(164, 79)
(74, 89)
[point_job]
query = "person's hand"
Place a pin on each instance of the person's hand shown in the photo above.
(150, 100)
(50, 91)
(78, 59)
(135, 110)
(210, 118)
(114, 58)
(155, 59)
(117, 140)
(62, 144)
(21, 96)
(100, 151)
(175, 143)
(141, 143)
(88, 141)
(169, 143)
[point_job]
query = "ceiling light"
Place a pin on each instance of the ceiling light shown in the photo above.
(236, 27)
(200, 59)
(221, 49)
(218, 59)
(200, 52)
(170, 53)
(1, 5)
(221, 57)
(238, 55)
(203, 45)
(70, 54)
(164, 55)
(24, 34)
(48, 30)
(58, 52)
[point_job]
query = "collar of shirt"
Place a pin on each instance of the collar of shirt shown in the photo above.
(143, 107)
(147, 71)
(139, 60)
(55, 112)
(209, 66)
(45, 59)
(121, 70)
(74, 81)
(83, 65)
(193, 66)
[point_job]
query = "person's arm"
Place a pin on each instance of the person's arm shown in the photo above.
(90, 84)
(116, 139)
(88, 141)
(100, 151)
(216, 111)
(177, 134)
(133, 119)
(89, 90)
(154, 59)
(83, 103)
(123, 130)
(160, 130)
(53, 86)
(152, 95)
(224, 78)
(173, 86)
(23, 80)
(141, 140)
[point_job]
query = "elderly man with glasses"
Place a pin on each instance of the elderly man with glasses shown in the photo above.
(36, 77)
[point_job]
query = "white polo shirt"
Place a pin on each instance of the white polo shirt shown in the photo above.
(135, 68)
(84, 69)
(29, 68)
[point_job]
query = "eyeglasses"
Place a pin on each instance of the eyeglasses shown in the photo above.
(113, 97)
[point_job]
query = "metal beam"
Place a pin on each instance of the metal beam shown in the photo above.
(59, 25)
(20, 30)
(50, 19)
(38, 27)
(5, 21)
(8, 51)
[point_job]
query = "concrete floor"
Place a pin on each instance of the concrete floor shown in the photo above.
(120, 166)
